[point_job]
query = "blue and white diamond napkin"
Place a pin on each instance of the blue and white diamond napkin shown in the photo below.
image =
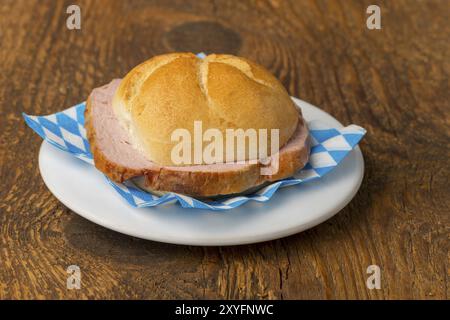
(65, 130)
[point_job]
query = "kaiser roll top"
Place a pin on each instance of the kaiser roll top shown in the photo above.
(171, 91)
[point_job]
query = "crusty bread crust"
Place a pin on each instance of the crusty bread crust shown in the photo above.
(173, 91)
(198, 183)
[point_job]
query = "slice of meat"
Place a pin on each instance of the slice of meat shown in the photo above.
(115, 156)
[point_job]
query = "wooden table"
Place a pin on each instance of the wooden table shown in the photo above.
(393, 81)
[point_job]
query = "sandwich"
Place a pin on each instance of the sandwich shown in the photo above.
(217, 126)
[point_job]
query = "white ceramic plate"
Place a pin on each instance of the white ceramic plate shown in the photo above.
(85, 190)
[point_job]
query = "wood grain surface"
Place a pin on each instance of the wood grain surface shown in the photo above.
(393, 81)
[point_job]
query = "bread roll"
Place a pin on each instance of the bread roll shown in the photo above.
(171, 91)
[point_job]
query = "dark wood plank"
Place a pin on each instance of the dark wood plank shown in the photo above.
(393, 81)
